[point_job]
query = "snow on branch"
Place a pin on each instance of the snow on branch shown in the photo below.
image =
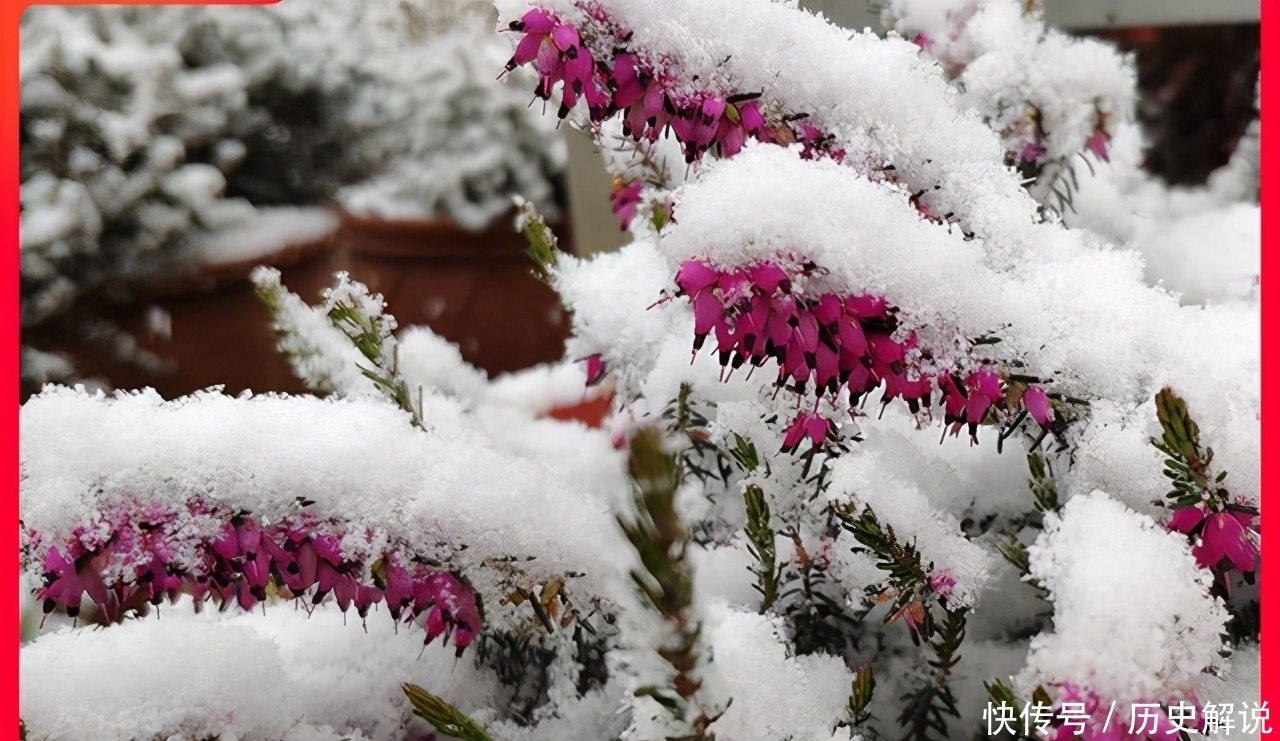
(1133, 626)
(163, 493)
(1049, 96)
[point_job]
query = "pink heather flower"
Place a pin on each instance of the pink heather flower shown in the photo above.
(701, 121)
(62, 583)
(559, 56)
(828, 342)
(137, 560)
(1031, 152)
(1036, 402)
(1219, 535)
(1099, 720)
(923, 40)
(625, 200)
(942, 583)
(967, 402)
(814, 427)
(595, 369)
(1097, 143)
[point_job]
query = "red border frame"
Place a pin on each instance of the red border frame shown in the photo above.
(10, 15)
(1270, 413)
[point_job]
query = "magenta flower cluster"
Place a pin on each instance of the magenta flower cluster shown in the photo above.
(1080, 714)
(651, 103)
(148, 554)
(1222, 534)
(830, 342)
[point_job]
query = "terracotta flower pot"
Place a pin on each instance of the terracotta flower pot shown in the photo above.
(202, 329)
(475, 289)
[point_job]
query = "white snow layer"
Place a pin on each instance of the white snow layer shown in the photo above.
(261, 676)
(1133, 618)
(264, 234)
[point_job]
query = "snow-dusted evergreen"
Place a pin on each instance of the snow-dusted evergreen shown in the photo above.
(834, 266)
(1052, 98)
(142, 131)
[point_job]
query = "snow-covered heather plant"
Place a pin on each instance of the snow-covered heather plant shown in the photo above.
(1064, 107)
(1202, 242)
(1051, 97)
(766, 539)
(108, 116)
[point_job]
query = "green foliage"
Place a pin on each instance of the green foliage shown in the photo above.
(864, 687)
(1015, 552)
(1042, 487)
(657, 532)
(940, 628)
(544, 248)
(1186, 465)
(363, 323)
(744, 452)
(442, 716)
(664, 579)
(907, 576)
(520, 662)
(660, 216)
(947, 642)
(295, 347)
(924, 716)
(703, 458)
(1003, 696)
(369, 333)
(760, 542)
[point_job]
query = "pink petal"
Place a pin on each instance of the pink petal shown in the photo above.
(527, 50)
(538, 20)
(1036, 402)
(695, 275)
(817, 428)
(565, 37)
(1186, 519)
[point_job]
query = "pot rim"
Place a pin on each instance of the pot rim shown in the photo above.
(433, 238)
(205, 277)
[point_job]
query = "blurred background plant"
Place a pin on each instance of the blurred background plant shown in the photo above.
(187, 144)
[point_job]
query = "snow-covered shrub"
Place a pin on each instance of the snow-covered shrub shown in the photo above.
(1202, 242)
(155, 139)
(767, 539)
(1050, 96)
(140, 132)
(449, 138)
(1064, 108)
